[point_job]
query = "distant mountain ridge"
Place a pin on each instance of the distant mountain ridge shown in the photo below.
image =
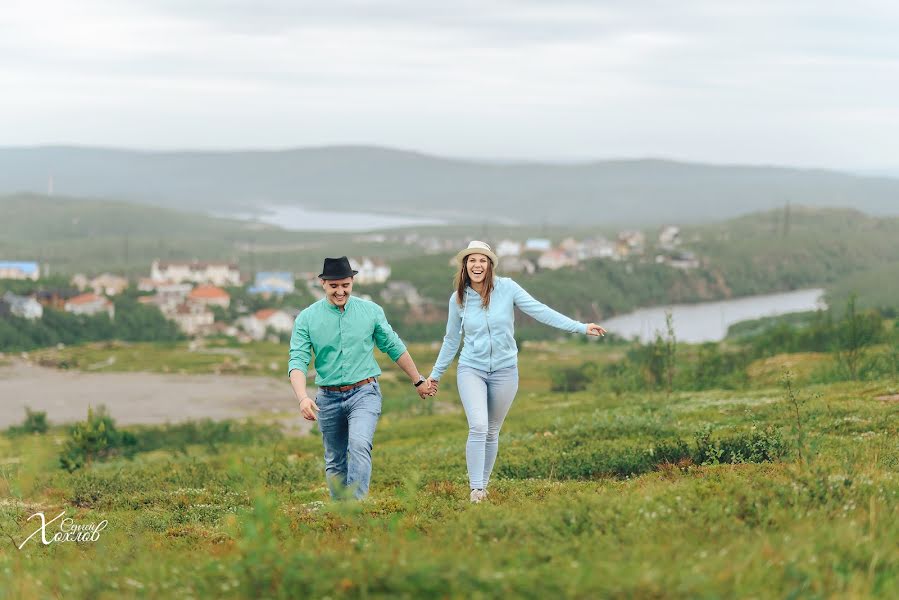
(372, 179)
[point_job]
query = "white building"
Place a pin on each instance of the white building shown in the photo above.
(669, 237)
(214, 273)
(170, 295)
(23, 306)
(370, 270)
(508, 248)
(599, 248)
(259, 323)
(192, 318)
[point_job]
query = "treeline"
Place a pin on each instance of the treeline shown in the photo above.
(133, 322)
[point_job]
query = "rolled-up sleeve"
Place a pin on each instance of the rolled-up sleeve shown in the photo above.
(300, 346)
(543, 313)
(450, 341)
(386, 339)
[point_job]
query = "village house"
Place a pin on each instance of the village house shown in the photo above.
(508, 248)
(273, 283)
(170, 295)
(370, 270)
(683, 259)
(209, 295)
(54, 297)
(598, 247)
(23, 306)
(517, 264)
(555, 259)
(213, 273)
(90, 304)
(148, 284)
(259, 323)
(80, 281)
(192, 319)
(108, 284)
(537, 245)
(631, 242)
(19, 270)
(401, 291)
(669, 237)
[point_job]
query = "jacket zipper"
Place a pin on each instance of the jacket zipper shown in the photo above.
(489, 337)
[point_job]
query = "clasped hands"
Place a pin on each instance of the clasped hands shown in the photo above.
(428, 388)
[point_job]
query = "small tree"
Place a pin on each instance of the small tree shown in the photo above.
(855, 333)
(95, 439)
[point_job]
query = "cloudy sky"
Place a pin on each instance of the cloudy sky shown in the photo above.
(794, 82)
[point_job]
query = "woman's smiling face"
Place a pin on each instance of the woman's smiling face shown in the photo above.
(477, 265)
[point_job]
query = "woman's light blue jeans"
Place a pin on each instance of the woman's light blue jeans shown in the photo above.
(347, 421)
(487, 398)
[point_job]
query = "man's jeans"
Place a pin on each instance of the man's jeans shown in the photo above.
(347, 421)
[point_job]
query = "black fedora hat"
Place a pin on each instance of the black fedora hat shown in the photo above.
(337, 268)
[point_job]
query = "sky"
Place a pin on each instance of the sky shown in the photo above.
(796, 82)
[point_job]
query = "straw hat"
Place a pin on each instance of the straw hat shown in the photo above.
(476, 247)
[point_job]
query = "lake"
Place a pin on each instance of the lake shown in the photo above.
(708, 321)
(297, 218)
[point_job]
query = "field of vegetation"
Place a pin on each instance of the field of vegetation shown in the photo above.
(765, 466)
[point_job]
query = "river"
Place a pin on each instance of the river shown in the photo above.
(297, 218)
(708, 321)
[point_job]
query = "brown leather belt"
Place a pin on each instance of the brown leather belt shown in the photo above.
(346, 388)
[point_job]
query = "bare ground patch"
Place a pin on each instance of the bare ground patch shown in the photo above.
(143, 398)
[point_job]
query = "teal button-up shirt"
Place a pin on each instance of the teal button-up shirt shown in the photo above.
(342, 340)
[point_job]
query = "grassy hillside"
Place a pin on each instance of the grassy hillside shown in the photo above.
(596, 494)
(624, 192)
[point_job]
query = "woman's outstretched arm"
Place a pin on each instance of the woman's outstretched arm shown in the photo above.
(541, 312)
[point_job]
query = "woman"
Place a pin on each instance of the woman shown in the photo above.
(482, 309)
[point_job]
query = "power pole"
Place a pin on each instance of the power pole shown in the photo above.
(787, 219)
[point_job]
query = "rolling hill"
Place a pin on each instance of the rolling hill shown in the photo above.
(371, 179)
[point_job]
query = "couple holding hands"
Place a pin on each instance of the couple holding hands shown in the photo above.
(342, 331)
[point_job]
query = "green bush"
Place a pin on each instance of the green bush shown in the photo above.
(572, 379)
(95, 439)
(35, 422)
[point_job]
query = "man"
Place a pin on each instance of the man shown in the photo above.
(342, 331)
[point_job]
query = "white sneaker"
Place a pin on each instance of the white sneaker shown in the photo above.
(477, 496)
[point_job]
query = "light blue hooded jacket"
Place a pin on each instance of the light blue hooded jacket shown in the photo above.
(489, 334)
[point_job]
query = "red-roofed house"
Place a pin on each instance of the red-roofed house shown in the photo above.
(257, 324)
(89, 304)
(209, 295)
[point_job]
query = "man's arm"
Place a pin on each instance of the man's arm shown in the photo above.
(300, 354)
(390, 343)
(308, 407)
(406, 363)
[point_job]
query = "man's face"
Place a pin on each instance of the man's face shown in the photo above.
(338, 290)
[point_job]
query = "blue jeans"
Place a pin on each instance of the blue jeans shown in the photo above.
(347, 421)
(487, 398)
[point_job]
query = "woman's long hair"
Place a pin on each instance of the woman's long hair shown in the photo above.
(462, 279)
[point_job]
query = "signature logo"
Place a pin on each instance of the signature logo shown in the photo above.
(68, 530)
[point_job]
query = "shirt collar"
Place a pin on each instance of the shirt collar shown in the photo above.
(337, 309)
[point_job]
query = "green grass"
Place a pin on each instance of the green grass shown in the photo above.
(585, 503)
